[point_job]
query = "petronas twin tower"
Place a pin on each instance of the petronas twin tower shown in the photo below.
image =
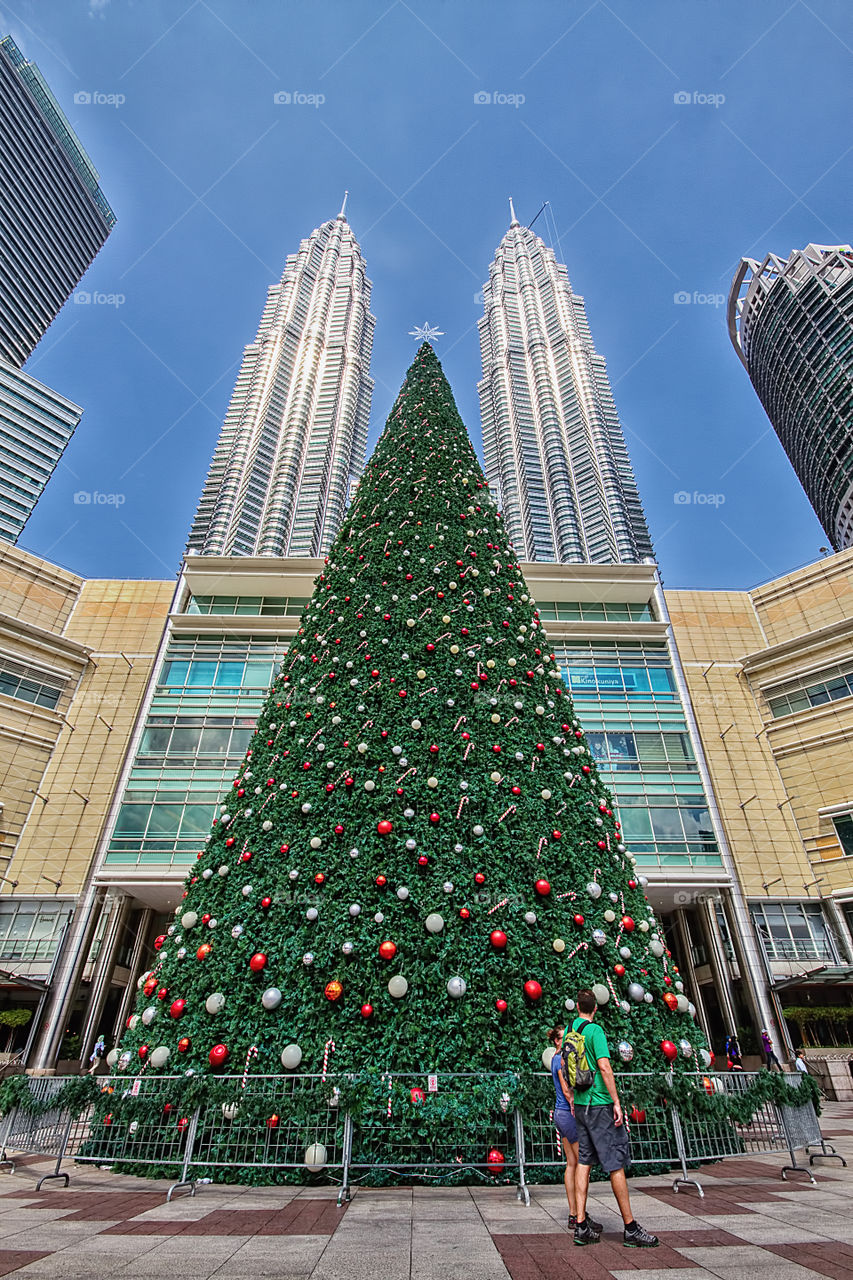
(295, 435)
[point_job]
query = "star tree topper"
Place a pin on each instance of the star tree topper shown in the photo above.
(426, 332)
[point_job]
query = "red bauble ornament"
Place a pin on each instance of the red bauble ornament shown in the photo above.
(543, 888)
(464, 913)
(339, 831)
(218, 1055)
(670, 999)
(387, 950)
(108, 1119)
(258, 962)
(479, 878)
(204, 951)
(272, 1123)
(320, 878)
(177, 1007)
(150, 986)
(380, 882)
(417, 1095)
(183, 1122)
(496, 1159)
(501, 1006)
(384, 827)
(184, 1044)
(579, 918)
(627, 924)
(423, 860)
(556, 835)
(266, 903)
(434, 819)
(632, 884)
(637, 1116)
(367, 1011)
(158, 941)
(533, 989)
(498, 939)
(333, 991)
(619, 970)
(143, 1051)
(162, 993)
(668, 1050)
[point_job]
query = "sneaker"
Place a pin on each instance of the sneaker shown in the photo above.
(573, 1222)
(596, 1226)
(639, 1238)
(585, 1233)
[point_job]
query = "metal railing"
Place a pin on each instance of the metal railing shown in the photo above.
(397, 1128)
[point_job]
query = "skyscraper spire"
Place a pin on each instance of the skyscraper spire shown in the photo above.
(554, 449)
(343, 213)
(513, 220)
(295, 433)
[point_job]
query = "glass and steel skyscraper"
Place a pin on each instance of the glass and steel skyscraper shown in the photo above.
(36, 424)
(791, 322)
(53, 215)
(554, 449)
(294, 437)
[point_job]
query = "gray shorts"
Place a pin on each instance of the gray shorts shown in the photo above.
(600, 1141)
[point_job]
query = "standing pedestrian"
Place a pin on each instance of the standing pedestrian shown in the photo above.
(801, 1065)
(564, 1122)
(767, 1046)
(602, 1135)
(733, 1054)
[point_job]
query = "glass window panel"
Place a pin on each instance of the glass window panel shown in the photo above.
(581, 677)
(697, 822)
(844, 831)
(622, 746)
(214, 742)
(650, 746)
(666, 824)
(47, 697)
(22, 924)
(230, 673)
(175, 673)
(609, 677)
(131, 819)
(259, 674)
(196, 819)
(240, 740)
(184, 741)
(597, 745)
(165, 819)
(661, 679)
(636, 823)
(155, 740)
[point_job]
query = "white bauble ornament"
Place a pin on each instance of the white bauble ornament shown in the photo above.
(271, 998)
(434, 923)
(402, 893)
(643, 926)
(237, 931)
(159, 1057)
(599, 937)
(456, 987)
(398, 986)
(547, 1055)
(149, 1014)
(315, 1157)
(215, 1002)
(230, 1110)
(682, 1004)
(291, 1056)
(189, 919)
(569, 1005)
(559, 945)
(625, 1050)
(602, 995)
(112, 1057)
(308, 959)
(685, 1048)
(648, 997)
(594, 890)
(625, 953)
(530, 917)
(246, 890)
(705, 1057)
(354, 910)
(636, 992)
(312, 914)
(609, 916)
(656, 947)
(347, 948)
(206, 874)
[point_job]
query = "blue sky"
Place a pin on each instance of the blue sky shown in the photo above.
(214, 183)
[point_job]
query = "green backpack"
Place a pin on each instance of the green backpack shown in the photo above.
(576, 1066)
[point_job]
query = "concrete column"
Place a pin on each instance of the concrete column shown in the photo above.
(719, 964)
(750, 953)
(143, 928)
(118, 905)
(683, 930)
(66, 981)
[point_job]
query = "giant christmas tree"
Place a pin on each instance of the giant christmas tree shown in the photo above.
(417, 859)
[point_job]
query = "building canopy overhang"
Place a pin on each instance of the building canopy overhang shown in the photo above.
(831, 975)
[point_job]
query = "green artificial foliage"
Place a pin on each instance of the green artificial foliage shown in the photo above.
(417, 778)
(15, 1017)
(73, 1096)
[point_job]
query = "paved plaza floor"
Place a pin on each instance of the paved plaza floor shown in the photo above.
(751, 1225)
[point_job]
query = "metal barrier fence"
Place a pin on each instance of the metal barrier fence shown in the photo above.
(387, 1130)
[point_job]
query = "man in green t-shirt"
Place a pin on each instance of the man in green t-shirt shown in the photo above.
(602, 1134)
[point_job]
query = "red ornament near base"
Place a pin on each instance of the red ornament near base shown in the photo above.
(367, 1011)
(258, 962)
(333, 990)
(498, 939)
(387, 950)
(417, 1095)
(501, 1006)
(496, 1160)
(218, 1055)
(543, 888)
(668, 1050)
(177, 1007)
(637, 1116)
(533, 989)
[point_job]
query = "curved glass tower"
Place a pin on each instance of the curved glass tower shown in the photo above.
(554, 450)
(295, 433)
(791, 322)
